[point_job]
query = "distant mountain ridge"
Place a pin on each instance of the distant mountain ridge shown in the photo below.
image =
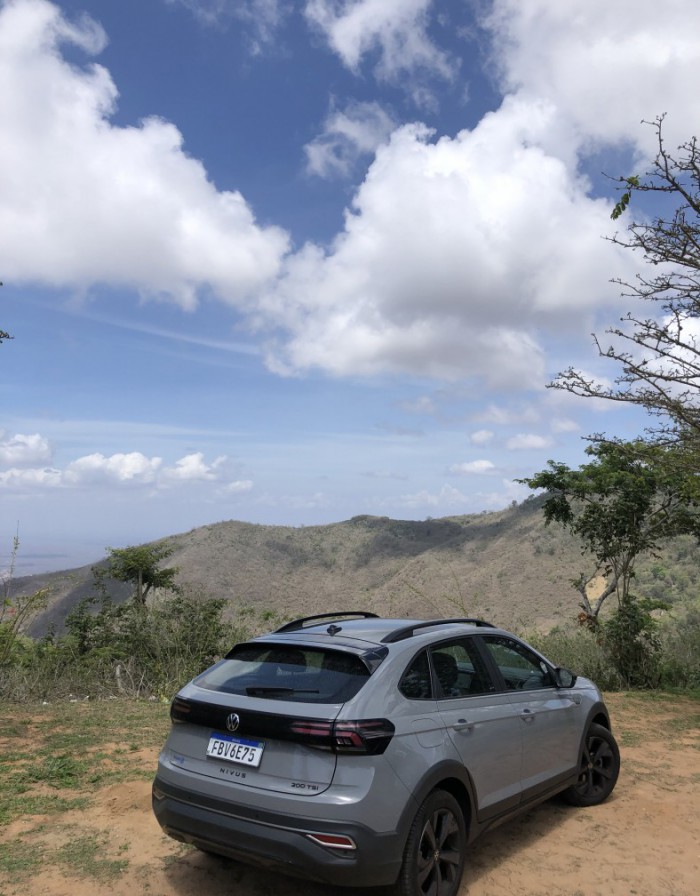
(506, 566)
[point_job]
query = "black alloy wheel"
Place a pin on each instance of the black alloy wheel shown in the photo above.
(435, 849)
(600, 767)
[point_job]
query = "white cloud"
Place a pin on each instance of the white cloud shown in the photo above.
(481, 437)
(527, 441)
(133, 468)
(116, 471)
(453, 276)
(473, 467)
(397, 29)
(148, 217)
(604, 66)
(496, 500)
(347, 135)
(459, 257)
(31, 478)
(24, 450)
(239, 487)
(192, 468)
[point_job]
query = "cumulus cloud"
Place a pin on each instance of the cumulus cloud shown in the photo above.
(148, 216)
(473, 467)
(192, 468)
(460, 256)
(15, 478)
(481, 437)
(348, 134)
(134, 468)
(396, 29)
(23, 455)
(24, 450)
(604, 66)
(452, 277)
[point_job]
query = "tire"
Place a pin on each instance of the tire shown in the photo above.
(435, 849)
(600, 766)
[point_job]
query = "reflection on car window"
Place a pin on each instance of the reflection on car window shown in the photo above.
(521, 668)
(459, 670)
(415, 682)
(282, 672)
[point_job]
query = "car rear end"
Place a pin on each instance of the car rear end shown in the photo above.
(266, 762)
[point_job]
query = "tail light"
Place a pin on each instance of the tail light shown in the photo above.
(365, 736)
(369, 737)
(180, 710)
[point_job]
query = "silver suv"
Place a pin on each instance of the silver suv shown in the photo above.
(362, 751)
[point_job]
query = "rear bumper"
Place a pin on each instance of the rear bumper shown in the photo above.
(277, 842)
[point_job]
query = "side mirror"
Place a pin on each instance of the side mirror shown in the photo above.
(564, 679)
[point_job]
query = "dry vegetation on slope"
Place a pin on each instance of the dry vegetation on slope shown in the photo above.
(506, 566)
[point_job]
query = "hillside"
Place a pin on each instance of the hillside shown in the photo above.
(505, 566)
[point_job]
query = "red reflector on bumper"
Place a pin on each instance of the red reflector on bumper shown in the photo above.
(334, 841)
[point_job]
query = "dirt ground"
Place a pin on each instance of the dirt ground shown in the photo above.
(645, 840)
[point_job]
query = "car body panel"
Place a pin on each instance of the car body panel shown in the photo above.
(487, 733)
(516, 740)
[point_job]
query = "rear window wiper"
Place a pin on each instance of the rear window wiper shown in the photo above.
(261, 691)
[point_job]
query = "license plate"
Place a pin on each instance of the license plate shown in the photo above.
(235, 749)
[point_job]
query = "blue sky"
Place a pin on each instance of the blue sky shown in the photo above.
(290, 261)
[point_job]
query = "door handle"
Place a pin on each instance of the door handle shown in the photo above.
(528, 716)
(463, 725)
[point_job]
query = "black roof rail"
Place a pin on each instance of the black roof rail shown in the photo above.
(297, 624)
(408, 631)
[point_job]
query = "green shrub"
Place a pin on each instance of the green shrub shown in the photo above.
(127, 649)
(679, 664)
(579, 650)
(631, 640)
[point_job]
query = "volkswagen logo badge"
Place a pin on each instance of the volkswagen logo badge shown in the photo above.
(233, 721)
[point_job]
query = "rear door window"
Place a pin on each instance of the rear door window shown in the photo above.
(459, 669)
(280, 672)
(416, 682)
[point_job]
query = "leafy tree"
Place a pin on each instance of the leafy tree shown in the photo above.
(623, 503)
(139, 565)
(659, 354)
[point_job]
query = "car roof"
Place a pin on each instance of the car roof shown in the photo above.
(345, 627)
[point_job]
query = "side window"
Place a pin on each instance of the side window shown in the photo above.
(459, 670)
(521, 669)
(415, 682)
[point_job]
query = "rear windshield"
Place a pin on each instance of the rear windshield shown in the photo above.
(277, 672)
